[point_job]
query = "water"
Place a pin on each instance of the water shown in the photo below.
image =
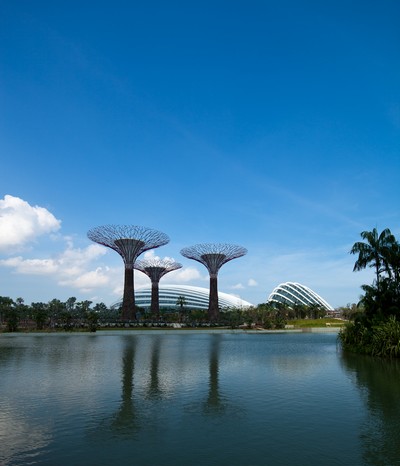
(129, 398)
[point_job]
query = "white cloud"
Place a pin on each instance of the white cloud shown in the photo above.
(76, 259)
(87, 281)
(149, 255)
(118, 290)
(75, 268)
(71, 262)
(31, 266)
(70, 268)
(238, 286)
(186, 274)
(21, 223)
(252, 282)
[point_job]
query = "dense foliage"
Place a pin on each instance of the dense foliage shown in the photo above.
(74, 315)
(55, 314)
(375, 329)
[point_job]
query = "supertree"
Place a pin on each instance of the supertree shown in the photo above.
(129, 241)
(155, 269)
(213, 257)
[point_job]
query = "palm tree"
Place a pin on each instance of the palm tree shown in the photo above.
(181, 301)
(393, 262)
(40, 314)
(374, 252)
(6, 308)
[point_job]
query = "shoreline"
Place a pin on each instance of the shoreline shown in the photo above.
(176, 331)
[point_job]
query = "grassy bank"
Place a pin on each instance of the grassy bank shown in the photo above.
(314, 323)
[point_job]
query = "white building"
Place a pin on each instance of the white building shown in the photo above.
(291, 293)
(195, 297)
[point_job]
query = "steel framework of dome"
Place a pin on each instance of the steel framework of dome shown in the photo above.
(129, 241)
(196, 298)
(155, 269)
(291, 293)
(213, 257)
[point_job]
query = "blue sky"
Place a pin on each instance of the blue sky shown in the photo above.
(274, 125)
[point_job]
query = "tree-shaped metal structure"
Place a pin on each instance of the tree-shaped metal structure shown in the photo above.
(155, 269)
(129, 241)
(213, 257)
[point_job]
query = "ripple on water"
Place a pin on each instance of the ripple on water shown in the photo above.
(183, 399)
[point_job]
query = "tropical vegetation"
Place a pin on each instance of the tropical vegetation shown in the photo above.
(75, 315)
(375, 327)
(53, 315)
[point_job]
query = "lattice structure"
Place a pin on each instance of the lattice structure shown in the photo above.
(292, 293)
(129, 241)
(155, 269)
(213, 257)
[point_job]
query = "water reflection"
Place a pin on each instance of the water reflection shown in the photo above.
(11, 353)
(126, 420)
(145, 382)
(141, 385)
(181, 399)
(154, 390)
(215, 403)
(18, 434)
(379, 382)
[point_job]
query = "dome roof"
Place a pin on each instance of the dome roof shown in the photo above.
(291, 293)
(195, 297)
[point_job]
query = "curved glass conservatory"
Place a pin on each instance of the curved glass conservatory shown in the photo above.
(195, 297)
(291, 293)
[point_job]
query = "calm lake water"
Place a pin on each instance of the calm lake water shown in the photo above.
(126, 398)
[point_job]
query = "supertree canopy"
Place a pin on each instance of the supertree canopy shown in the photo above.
(155, 269)
(129, 241)
(213, 257)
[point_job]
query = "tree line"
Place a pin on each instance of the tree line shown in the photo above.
(53, 314)
(72, 315)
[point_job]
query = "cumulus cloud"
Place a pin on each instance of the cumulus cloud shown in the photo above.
(118, 290)
(74, 267)
(69, 268)
(149, 255)
(87, 281)
(187, 274)
(21, 223)
(252, 282)
(75, 260)
(238, 286)
(70, 262)
(31, 266)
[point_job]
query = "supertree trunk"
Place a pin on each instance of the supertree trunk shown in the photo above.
(213, 311)
(155, 302)
(128, 301)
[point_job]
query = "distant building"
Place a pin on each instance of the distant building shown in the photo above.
(294, 293)
(195, 298)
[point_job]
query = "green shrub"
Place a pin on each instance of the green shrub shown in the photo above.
(381, 340)
(386, 339)
(355, 337)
